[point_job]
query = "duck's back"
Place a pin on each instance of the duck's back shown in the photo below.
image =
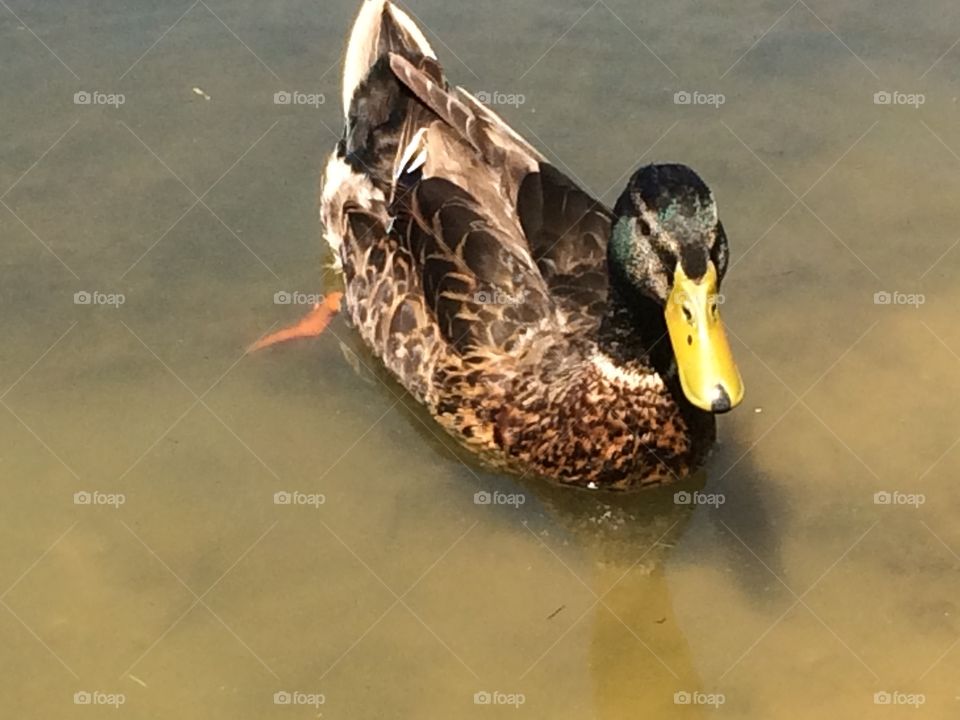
(458, 243)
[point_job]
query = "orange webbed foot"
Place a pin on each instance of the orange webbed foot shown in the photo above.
(311, 325)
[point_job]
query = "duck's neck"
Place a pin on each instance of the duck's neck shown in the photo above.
(633, 335)
(634, 330)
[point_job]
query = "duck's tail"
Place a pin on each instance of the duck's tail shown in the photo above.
(381, 28)
(381, 114)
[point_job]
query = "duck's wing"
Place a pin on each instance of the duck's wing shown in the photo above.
(562, 228)
(476, 273)
(452, 230)
(454, 210)
(434, 259)
(567, 231)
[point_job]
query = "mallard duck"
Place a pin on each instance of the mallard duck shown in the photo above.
(551, 336)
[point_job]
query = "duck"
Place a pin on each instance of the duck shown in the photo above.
(553, 337)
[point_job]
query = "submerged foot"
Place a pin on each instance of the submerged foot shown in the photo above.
(311, 325)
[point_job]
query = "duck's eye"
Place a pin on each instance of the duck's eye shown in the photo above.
(687, 313)
(644, 227)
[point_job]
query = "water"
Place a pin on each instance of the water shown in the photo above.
(798, 597)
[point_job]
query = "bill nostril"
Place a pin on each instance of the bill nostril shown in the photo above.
(721, 400)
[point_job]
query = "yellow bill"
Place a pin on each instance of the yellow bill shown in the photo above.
(708, 375)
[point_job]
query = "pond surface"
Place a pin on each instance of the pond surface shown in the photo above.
(797, 593)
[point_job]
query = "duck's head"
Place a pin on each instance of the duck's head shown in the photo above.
(668, 246)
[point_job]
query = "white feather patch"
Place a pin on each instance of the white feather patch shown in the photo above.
(414, 156)
(360, 48)
(404, 21)
(633, 380)
(342, 183)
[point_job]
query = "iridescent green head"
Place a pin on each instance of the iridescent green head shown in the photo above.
(668, 245)
(666, 216)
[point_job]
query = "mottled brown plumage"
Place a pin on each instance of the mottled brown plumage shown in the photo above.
(479, 274)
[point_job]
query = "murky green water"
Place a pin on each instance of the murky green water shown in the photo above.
(800, 596)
